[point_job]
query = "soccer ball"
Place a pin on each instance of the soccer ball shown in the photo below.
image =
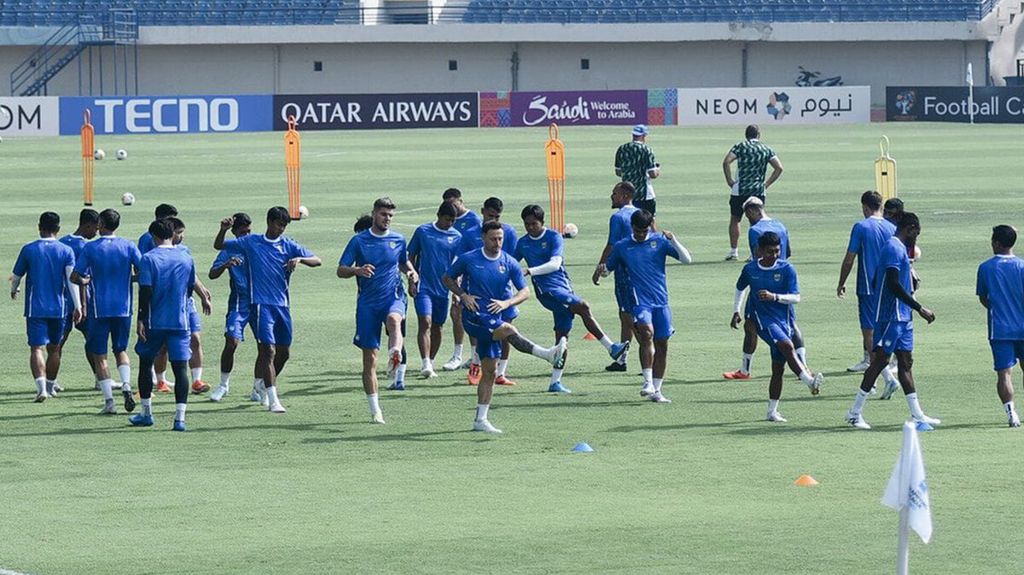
(303, 212)
(99, 154)
(570, 230)
(128, 198)
(122, 154)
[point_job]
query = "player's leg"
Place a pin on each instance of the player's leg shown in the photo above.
(196, 363)
(663, 330)
(1005, 355)
(52, 364)
(160, 372)
(227, 365)
(786, 352)
(884, 346)
(506, 332)
(905, 367)
(120, 332)
(398, 375)
(643, 330)
(370, 384)
(147, 350)
(97, 345)
(458, 336)
(735, 214)
(775, 391)
(749, 347)
(1004, 387)
(179, 351)
(37, 365)
(623, 301)
(581, 307)
(485, 390)
(281, 335)
(396, 340)
(424, 332)
(866, 309)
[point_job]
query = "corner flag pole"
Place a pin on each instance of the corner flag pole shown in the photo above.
(292, 165)
(555, 152)
(88, 148)
(907, 491)
(970, 90)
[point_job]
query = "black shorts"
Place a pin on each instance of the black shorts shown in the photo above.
(649, 205)
(736, 204)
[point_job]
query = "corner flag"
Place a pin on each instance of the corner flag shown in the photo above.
(970, 74)
(908, 492)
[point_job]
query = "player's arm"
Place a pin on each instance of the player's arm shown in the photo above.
(225, 225)
(521, 295)
(737, 302)
(892, 281)
(655, 170)
(618, 162)
(776, 171)
(76, 299)
(682, 254)
(308, 261)
(602, 268)
(844, 272)
(218, 269)
(727, 168)
(467, 299)
(205, 298)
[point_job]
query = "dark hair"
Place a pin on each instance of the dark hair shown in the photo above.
(279, 214)
(176, 223)
(49, 222)
(908, 220)
(110, 219)
(641, 219)
(753, 132)
(363, 222)
(165, 211)
(533, 211)
(768, 240)
(624, 187)
(491, 225)
(447, 210)
(495, 204)
(88, 216)
(893, 205)
(384, 203)
(871, 200)
(452, 194)
(1004, 235)
(161, 229)
(240, 219)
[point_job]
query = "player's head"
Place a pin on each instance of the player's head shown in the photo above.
(446, 214)
(278, 219)
(1003, 239)
(533, 219)
(871, 202)
(241, 224)
(641, 221)
(453, 196)
(363, 223)
(492, 209)
(622, 194)
(165, 211)
(753, 132)
(88, 223)
(179, 230)
(892, 210)
(162, 230)
(909, 227)
(49, 223)
(110, 220)
(383, 213)
(494, 237)
(753, 208)
(639, 132)
(769, 247)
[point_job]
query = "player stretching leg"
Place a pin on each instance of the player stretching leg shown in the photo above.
(619, 229)
(467, 222)
(432, 250)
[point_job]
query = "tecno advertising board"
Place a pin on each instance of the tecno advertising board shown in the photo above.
(784, 105)
(953, 104)
(377, 111)
(167, 114)
(29, 116)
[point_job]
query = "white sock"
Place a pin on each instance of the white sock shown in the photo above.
(538, 351)
(40, 385)
(225, 379)
(622, 358)
(147, 406)
(657, 381)
(801, 354)
(914, 405)
(502, 366)
(476, 357)
(1010, 409)
(888, 375)
(400, 373)
(152, 374)
(125, 371)
(197, 374)
(858, 404)
(374, 403)
(159, 376)
(747, 363)
(49, 385)
(607, 342)
(556, 375)
(481, 411)
(806, 377)
(106, 386)
(648, 375)
(179, 411)
(734, 251)
(773, 405)
(458, 351)
(425, 364)
(257, 384)
(272, 394)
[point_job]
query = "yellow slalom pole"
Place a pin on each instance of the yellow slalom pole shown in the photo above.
(555, 152)
(885, 171)
(88, 160)
(292, 164)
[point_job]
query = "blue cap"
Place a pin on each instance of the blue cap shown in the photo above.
(639, 130)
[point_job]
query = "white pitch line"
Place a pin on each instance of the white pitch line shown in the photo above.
(9, 572)
(408, 212)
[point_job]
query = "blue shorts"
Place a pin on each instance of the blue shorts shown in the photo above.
(116, 329)
(195, 323)
(481, 326)
(177, 342)
(82, 326)
(510, 314)
(558, 301)
(1006, 353)
(867, 307)
(235, 322)
(894, 336)
(370, 318)
(431, 305)
(44, 330)
(659, 317)
(772, 334)
(624, 296)
(748, 308)
(272, 324)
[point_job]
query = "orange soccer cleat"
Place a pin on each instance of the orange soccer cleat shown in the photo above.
(736, 375)
(474, 374)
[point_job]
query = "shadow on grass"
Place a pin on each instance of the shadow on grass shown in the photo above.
(673, 427)
(463, 436)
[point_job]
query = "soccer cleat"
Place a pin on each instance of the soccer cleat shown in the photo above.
(657, 397)
(453, 364)
(925, 419)
(559, 352)
(163, 386)
(51, 390)
(428, 373)
(377, 418)
(615, 366)
(502, 380)
(264, 399)
(276, 407)
(815, 385)
(178, 426)
(776, 417)
(394, 360)
(860, 366)
(647, 389)
(255, 395)
(219, 393)
(856, 420)
(41, 397)
(141, 420)
(738, 374)
(485, 426)
(109, 409)
(618, 349)
(732, 257)
(474, 374)
(1013, 420)
(199, 387)
(891, 385)
(397, 386)
(57, 387)
(557, 387)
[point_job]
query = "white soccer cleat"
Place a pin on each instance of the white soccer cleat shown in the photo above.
(255, 395)
(891, 383)
(925, 419)
(485, 426)
(857, 420)
(815, 384)
(1013, 420)
(276, 407)
(861, 366)
(428, 373)
(453, 364)
(41, 397)
(657, 397)
(776, 417)
(558, 353)
(377, 418)
(647, 389)
(109, 409)
(219, 393)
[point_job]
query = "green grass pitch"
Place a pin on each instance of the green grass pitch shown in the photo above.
(699, 486)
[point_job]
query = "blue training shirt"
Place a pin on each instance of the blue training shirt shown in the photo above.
(620, 227)
(487, 278)
(468, 223)
(890, 308)
(171, 274)
(474, 240)
(645, 262)
(238, 278)
(434, 250)
(778, 279)
(76, 243)
(867, 239)
(146, 242)
(108, 262)
(769, 225)
(45, 261)
(1001, 280)
(385, 253)
(265, 264)
(539, 250)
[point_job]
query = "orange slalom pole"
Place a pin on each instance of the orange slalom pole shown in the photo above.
(293, 164)
(88, 161)
(555, 153)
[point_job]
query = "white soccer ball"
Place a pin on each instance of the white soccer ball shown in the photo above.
(303, 212)
(122, 154)
(99, 154)
(128, 198)
(570, 230)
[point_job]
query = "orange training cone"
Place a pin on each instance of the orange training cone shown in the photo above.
(806, 481)
(589, 336)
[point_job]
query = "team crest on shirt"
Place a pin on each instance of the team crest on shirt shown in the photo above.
(654, 244)
(279, 248)
(544, 245)
(451, 239)
(777, 277)
(501, 268)
(392, 244)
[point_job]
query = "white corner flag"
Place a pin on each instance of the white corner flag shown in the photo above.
(908, 492)
(970, 90)
(970, 74)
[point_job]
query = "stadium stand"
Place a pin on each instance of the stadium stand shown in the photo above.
(183, 12)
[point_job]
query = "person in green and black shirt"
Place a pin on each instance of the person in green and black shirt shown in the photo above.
(752, 159)
(634, 163)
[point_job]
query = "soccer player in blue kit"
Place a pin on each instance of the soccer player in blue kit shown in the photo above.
(269, 260)
(619, 228)
(774, 290)
(237, 317)
(88, 227)
(1000, 288)
(643, 256)
(378, 257)
(542, 251)
(432, 249)
(48, 265)
(106, 268)
(894, 328)
(466, 222)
